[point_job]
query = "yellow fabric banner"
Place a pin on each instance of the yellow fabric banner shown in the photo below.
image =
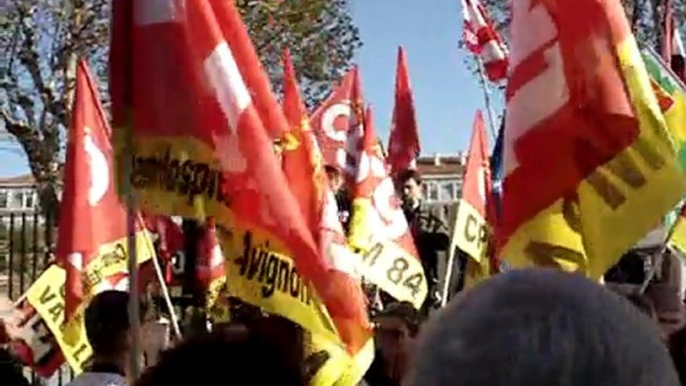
(616, 205)
(262, 277)
(383, 261)
(46, 295)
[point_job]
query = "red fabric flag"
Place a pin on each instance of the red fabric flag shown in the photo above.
(210, 261)
(403, 143)
(304, 169)
(379, 229)
(90, 212)
(200, 147)
(337, 124)
(586, 150)
(482, 39)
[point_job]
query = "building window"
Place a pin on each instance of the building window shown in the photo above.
(30, 198)
(431, 191)
(16, 200)
(4, 199)
(447, 192)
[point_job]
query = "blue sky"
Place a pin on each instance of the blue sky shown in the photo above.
(446, 93)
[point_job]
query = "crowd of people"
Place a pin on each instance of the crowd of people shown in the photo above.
(526, 327)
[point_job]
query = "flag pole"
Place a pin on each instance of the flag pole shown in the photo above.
(487, 97)
(131, 217)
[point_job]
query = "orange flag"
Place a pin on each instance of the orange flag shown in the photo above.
(379, 229)
(337, 124)
(313, 193)
(200, 148)
(471, 230)
(91, 216)
(403, 143)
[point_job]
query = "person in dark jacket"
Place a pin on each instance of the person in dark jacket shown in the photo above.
(429, 230)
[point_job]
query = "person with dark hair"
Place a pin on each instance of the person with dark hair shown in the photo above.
(429, 229)
(396, 328)
(108, 330)
(541, 327)
(242, 359)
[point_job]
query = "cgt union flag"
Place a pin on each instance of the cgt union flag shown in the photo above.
(379, 229)
(471, 230)
(182, 94)
(590, 167)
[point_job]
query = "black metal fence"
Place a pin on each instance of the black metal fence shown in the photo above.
(27, 242)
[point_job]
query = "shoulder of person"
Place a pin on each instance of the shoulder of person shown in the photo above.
(98, 379)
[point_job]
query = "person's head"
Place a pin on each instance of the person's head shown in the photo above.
(334, 178)
(237, 359)
(107, 325)
(410, 183)
(541, 327)
(396, 328)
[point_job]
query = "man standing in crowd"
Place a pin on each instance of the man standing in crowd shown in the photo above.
(429, 229)
(109, 333)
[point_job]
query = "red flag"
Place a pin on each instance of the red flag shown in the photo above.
(90, 213)
(482, 39)
(210, 261)
(195, 122)
(379, 229)
(304, 169)
(403, 143)
(337, 124)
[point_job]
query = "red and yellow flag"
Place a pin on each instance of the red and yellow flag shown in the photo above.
(92, 247)
(590, 167)
(471, 231)
(379, 229)
(304, 168)
(201, 149)
(403, 142)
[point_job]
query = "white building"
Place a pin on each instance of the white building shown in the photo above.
(442, 177)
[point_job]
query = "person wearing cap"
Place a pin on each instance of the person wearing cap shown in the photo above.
(108, 330)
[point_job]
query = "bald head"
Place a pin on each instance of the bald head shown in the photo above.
(541, 327)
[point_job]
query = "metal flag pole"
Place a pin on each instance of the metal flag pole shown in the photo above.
(131, 217)
(167, 298)
(487, 97)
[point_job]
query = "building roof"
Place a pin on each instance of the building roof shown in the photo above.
(18, 181)
(438, 165)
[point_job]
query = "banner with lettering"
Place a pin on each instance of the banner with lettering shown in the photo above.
(379, 229)
(201, 149)
(260, 276)
(471, 232)
(587, 174)
(47, 297)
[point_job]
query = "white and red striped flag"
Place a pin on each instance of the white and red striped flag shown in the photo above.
(483, 40)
